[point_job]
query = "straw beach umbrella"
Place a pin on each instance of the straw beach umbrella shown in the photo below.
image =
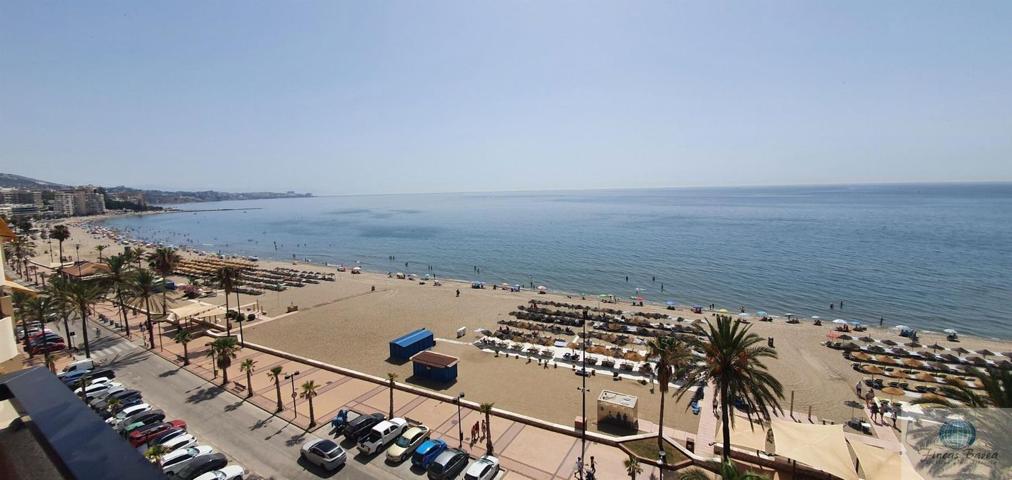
(873, 370)
(893, 392)
(961, 351)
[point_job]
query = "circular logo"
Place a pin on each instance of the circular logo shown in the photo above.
(957, 434)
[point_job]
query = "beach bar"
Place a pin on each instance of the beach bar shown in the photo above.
(435, 366)
(404, 347)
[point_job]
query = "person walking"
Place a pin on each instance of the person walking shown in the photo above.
(874, 412)
(897, 410)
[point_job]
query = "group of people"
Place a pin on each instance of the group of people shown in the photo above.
(479, 431)
(586, 472)
(879, 412)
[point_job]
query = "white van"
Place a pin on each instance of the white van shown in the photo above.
(80, 365)
(381, 435)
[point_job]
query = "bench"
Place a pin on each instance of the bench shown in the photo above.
(238, 387)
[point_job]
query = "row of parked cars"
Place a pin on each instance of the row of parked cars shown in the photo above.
(401, 440)
(144, 426)
(40, 339)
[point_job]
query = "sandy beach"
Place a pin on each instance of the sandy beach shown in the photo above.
(346, 323)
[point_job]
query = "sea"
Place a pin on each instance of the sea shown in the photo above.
(929, 256)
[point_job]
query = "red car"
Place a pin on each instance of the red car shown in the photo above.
(44, 347)
(141, 437)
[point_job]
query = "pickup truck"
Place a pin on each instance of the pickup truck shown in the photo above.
(342, 419)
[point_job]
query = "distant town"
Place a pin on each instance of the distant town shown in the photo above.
(23, 197)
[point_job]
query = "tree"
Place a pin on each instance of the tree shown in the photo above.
(60, 233)
(227, 278)
(21, 251)
(112, 404)
(734, 363)
(632, 467)
(183, 336)
(275, 374)
(155, 453)
(100, 249)
(137, 255)
(308, 392)
(164, 261)
(143, 287)
(223, 351)
(60, 302)
(391, 378)
(997, 392)
(83, 295)
(486, 408)
(248, 366)
(728, 471)
(672, 358)
(120, 281)
(37, 308)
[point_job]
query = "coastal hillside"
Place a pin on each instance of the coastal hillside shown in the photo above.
(10, 180)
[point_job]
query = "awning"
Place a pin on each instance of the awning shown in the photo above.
(5, 231)
(18, 287)
(822, 447)
(196, 309)
(750, 436)
(879, 464)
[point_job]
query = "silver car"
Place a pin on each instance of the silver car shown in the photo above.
(324, 453)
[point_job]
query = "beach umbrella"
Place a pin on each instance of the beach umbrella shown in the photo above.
(866, 338)
(815, 317)
(901, 327)
(985, 352)
(761, 313)
(913, 345)
(670, 303)
(961, 350)
(923, 377)
(913, 363)
(743, 315)
(860, 356)
(845, 337)
(893, 392)
(873, 370)
(936, 346)
(838, 321)
(950, 331)
(723, 310)
(889, 342)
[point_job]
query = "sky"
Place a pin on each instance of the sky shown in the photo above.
(435, 96)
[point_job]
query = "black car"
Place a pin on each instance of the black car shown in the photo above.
(448, 464)
(360, 426)
(123, 396)
(75, 382)
(147, 418)
(201, 465)
(166, 435)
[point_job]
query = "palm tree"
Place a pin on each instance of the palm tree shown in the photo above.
(275, 374)
(20, 299)
(183, 336)
(61, 233)
(248, 366)
(227, 278)
(308, 392)
(632, 467)
(155, 453)
(164, 261)
(84, 295)
(391, 378)
(672, 358)
(137, 255)
(486, 408)
(99, 249)
(60, 302)
(119, 281)
(223, 351)
(997, 392)
(37, 308)
(728, 471)
(734, 362)
(143, 287)
(113, 404)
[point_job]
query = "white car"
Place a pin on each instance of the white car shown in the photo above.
(178, 442)
(324, 453)
(173, 462)
(484, 468)
(126, 412)
(102, 394)
(94, 383)
(381, 435)
(231, 472)
(92, 392)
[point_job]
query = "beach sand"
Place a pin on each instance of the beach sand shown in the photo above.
(347, 324)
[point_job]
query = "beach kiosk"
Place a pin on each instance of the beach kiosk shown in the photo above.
(404, 347)
(435, 366)
(618, 409)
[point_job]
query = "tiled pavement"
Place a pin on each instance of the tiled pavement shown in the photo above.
(527, 452)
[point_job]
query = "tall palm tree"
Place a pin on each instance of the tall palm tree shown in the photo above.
(673, 356)
(100, 249)
(164, 261)
(120, 281)
(84, 295)
(391, 378)
(223, 351)
(137, 255)
(308, 392)
(20, 299)
(143, 287)
(734, 363)
(227, 278)
(632, 467)
(183, 336)
(728, 471)
(155, 453)
(275, 374)
(248, 366)
(37, 308)
(997, 392)
(61, 304)
(60, 233)
(486, 408)
(112, 404)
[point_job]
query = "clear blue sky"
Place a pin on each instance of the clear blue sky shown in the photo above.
(363, 97)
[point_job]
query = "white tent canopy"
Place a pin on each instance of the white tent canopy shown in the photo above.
(823, 447)
(192, 309)
(879, 464)
(745, 435)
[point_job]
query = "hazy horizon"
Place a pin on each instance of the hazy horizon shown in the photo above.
(337, 98)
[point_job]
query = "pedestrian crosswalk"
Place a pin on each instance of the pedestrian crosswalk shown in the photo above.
(105, 350)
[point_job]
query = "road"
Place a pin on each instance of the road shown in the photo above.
(260, 442)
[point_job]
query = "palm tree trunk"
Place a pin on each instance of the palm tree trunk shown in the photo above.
(122, 310)
(151, 330)
(224, 371)
(249, 384)
(66, 323)
(660, 422)
(84, 330)
(726, 428)
(228, 321)
(277, 386)
(24, 328)
(391, 400)
(186, 355)
(488, 433)
(312, 414)
(61, 254)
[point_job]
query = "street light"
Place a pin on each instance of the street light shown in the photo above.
(292, 378)
(460, 426)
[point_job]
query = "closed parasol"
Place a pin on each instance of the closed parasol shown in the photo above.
(893, 392)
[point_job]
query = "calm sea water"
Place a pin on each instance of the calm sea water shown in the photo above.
(929, 256)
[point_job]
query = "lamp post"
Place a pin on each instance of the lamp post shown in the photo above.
(292, 378)
(77, 247)
(460, 426)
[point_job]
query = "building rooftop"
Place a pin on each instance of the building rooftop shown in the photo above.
(616, 398)
(434, 359)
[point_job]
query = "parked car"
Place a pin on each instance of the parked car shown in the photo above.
(94, 391)
(85, 365)
(231, 472)
(342, 419)
(175, 461)
(359, 427)
(146, 433)
(91, 384)
(405, 444)
(73, 379)
(177, 442)
(485, 468)
(426, 452)
(130, 402)
(123, 396)
(136, 422)
(104, 393)
(201, 465)
(381, 435)
(447, 465)
(325, 454)
(40, 348)
(127, 412)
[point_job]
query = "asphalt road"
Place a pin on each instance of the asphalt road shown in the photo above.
(261, 443)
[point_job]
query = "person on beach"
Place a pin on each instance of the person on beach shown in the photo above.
(831, 306)
(881, 321)
(859, 387)
(458, 292)
(841, 304)
(874, 412)
(896, 414)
